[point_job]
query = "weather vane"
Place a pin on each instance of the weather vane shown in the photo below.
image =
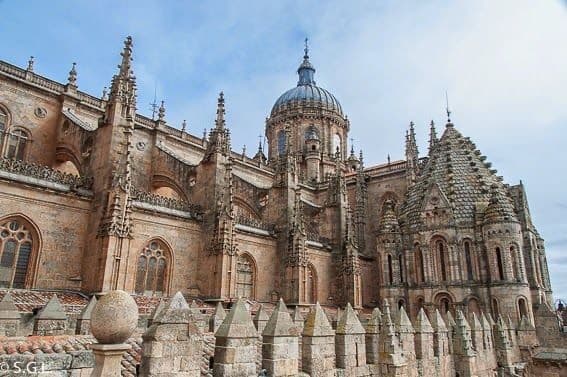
(447, 108)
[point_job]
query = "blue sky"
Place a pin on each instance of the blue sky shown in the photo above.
(504, 64)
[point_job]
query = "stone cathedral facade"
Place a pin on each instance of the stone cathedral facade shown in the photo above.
(95, 197)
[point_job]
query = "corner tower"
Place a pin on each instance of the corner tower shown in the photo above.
(317, 127)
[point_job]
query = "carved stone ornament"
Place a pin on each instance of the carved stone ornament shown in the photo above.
(40, 112)
(141, 145)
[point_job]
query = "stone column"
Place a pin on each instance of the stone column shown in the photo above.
(318, 348)
(51, 319)
(217, 318)
(280, 347)
(173, 344)
(9, 316)
(373, 336)
(350, 345)
(113, 320)
(84, 320)
(235, 345)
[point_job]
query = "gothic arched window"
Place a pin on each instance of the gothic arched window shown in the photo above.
(468, 260)
(16, 244)
(151, 272)
(281, 142)
(522, 308)
(16, 144)
(245, 277)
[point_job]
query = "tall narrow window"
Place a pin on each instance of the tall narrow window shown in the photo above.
(401, 263)
(244, 277)
(468, 260)
(442, 260)
(514, 260)
(522, 308)
(3, 126)
(281, 142)
(311, 288)
(336, 143)
(390, 271)
(16, 144)
(151, 272)
(419, 269)
(499, 263)
(15, 253)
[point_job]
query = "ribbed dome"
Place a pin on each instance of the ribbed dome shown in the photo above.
(307, 92)
(457, 169)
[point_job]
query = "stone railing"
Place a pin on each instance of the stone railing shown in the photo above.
(315, 237)
(194, 210)
(45, 173)
(253, 223)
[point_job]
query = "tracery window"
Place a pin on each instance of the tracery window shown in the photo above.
(15, 253)
(244, 277)
(151, 273)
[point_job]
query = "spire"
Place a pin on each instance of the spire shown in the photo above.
(72, 79)
(449, 123)
(220, 122)
(306, 71)
(432, 137)
(123, 88)
(280, 322)
(317, 323)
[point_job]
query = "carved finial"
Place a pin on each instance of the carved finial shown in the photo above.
(30, 64)
(105, 94)
(72, 79)
(432, 136)
(183, 125)
(260, 143)
(220, 122)
(204, 134)
(388, 158)
(447, 108)
(360, 158)
(306, 49)
(244, 151)
(161, 111)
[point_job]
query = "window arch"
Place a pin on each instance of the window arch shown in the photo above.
(473, 306)
(441, 250)
(152, 269)
(245, 276)
(522, 308)
(401, 263)
(499, 264)
(4, 118)
(17, 243)
(390, 271)
(444, 302)
(337, 143)
(419, 268)
(468, 260)
(514, 260)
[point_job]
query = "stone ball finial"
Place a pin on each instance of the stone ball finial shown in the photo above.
(114, 317)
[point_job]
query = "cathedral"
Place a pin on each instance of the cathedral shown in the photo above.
(97, 197)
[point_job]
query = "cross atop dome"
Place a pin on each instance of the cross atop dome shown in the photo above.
(306, 71)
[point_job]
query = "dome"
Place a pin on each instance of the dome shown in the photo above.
(307, 92)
